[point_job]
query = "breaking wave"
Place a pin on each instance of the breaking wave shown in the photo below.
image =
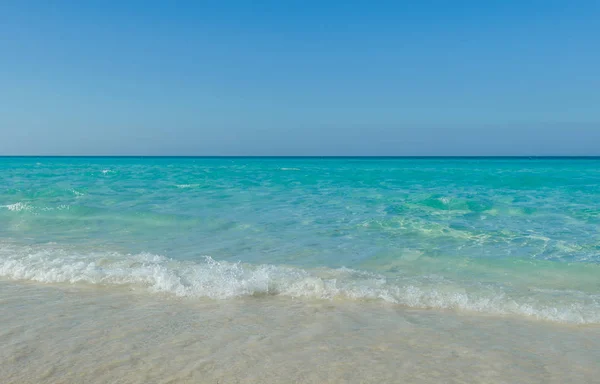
(17, 207)
(224, 280)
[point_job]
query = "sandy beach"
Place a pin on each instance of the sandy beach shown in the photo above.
(63, 334)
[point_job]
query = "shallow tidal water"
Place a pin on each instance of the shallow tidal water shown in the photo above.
(79, 335)
(266, 270)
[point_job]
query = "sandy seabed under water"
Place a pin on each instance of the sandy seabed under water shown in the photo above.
(74, 334)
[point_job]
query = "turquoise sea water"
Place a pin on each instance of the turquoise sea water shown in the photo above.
(499, 236)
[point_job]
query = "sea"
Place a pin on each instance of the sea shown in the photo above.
(316, 270)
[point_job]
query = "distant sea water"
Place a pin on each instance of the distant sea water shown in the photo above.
(506, 238)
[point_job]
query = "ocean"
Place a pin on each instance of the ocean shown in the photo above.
(141, 269)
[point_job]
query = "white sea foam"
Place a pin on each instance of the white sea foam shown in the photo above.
(16, 207)
(289, 169)
(224, 280)
(185, 186)
(61, 207)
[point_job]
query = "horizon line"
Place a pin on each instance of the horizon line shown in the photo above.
(317, 156)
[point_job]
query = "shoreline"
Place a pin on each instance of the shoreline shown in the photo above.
(70, 334)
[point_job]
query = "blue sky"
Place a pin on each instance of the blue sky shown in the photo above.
(300, 77)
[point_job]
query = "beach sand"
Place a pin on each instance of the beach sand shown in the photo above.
(79, 334)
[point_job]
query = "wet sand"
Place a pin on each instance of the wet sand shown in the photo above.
(69, 334)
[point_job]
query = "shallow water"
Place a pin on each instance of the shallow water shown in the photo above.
(66, 334)
(364, 270)
(503, 236)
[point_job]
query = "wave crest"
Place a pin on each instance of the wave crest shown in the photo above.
(17, 207)
(224, 280)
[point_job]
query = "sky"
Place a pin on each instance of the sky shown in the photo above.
(385, 78)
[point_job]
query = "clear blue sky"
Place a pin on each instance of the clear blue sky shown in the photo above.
(300, 77)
